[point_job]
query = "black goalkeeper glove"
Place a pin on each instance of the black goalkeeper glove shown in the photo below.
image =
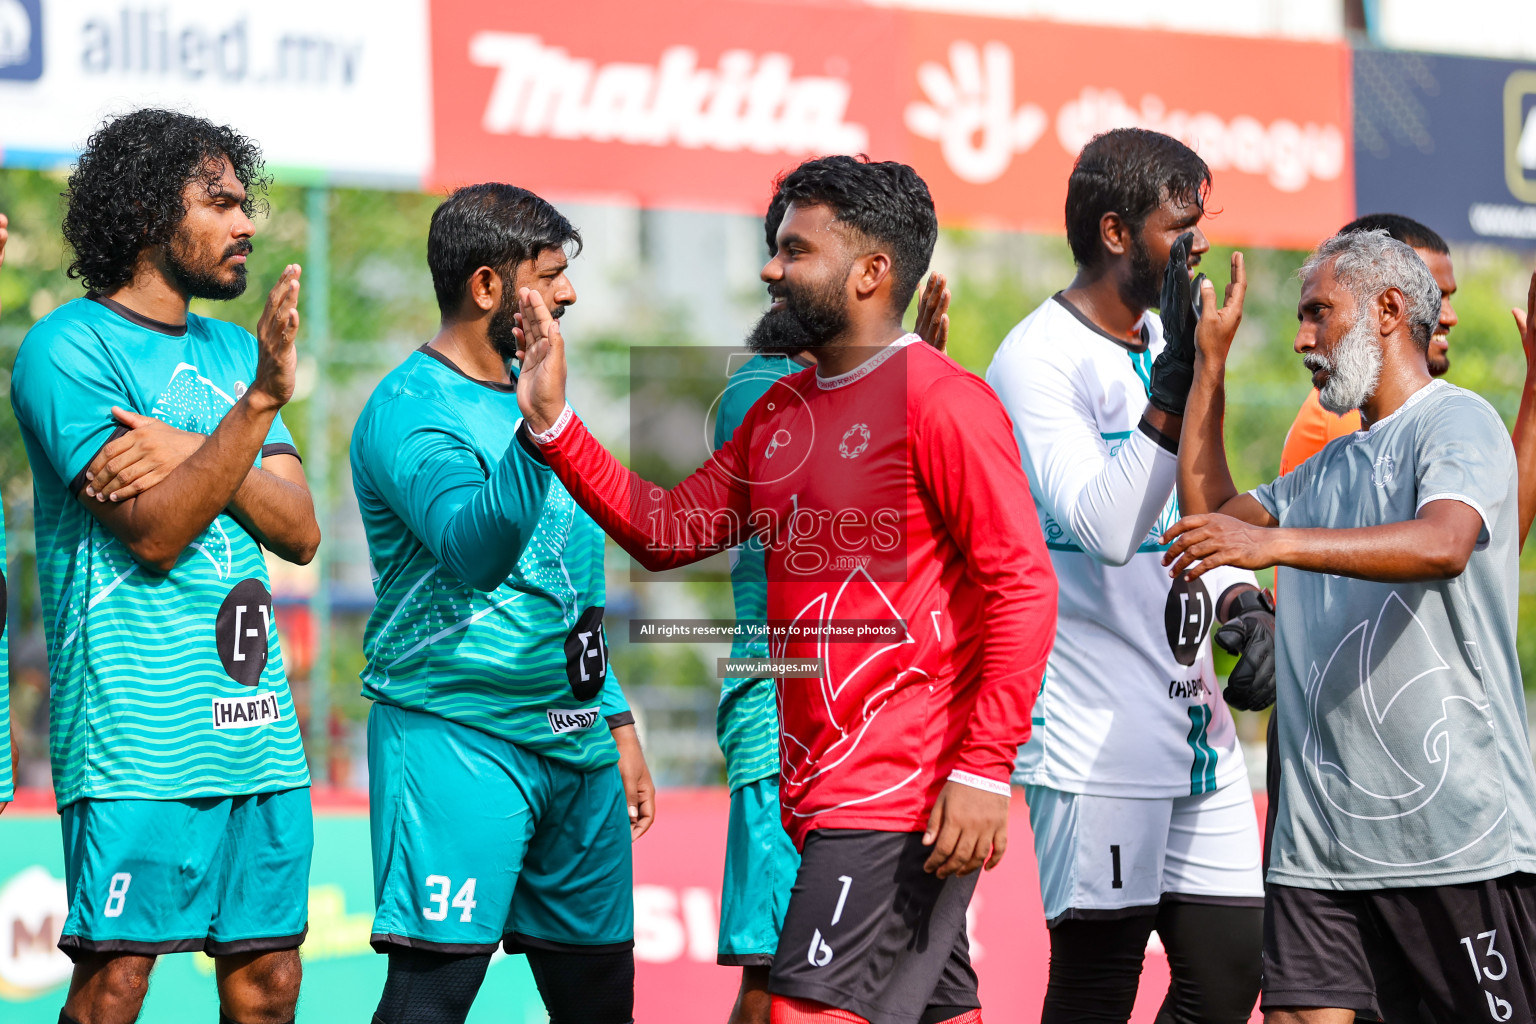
(1249, 633)
(1173, 372)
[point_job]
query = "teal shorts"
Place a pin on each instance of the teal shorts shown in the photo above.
(222, 874)
(479, 842)
(760, 867)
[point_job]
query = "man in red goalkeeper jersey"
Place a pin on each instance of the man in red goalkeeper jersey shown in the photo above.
(902, 549)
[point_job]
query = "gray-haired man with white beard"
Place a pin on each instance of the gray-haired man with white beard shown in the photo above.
(1400, 875)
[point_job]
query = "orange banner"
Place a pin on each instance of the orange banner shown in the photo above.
(698, 104)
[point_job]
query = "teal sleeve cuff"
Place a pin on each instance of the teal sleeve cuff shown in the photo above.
(614, 702)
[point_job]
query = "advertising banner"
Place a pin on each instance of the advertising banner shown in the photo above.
(998, 110)
(318, 86)
(678, 867)
(696, 103)
(1450, 141)
(699, 104)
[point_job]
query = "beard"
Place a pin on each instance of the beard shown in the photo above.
(1354, 369)
(812, 316)
(500, 329)
(196, 274)
(1145, 287)
(1439, 365)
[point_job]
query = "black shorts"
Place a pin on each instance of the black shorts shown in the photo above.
(869, 931)
(1446, 953)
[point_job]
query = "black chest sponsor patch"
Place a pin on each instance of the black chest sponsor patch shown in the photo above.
(1187, 617)
(242, 630)
(586, 654)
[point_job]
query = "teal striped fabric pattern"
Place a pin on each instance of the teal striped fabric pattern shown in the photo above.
(432, 447)
(164, 685)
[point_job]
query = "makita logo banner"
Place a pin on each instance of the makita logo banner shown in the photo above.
(702, 103)
(695, 103)
(747, 101)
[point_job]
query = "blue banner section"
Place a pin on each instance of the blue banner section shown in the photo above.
(1450, 141)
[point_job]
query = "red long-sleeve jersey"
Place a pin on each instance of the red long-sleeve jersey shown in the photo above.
(892, 492)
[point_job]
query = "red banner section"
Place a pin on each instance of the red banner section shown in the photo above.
(701, 103)
(1000, 109)
(678, 867)
(694, 103)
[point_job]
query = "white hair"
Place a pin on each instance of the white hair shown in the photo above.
(1367, 263)
(1354, 368)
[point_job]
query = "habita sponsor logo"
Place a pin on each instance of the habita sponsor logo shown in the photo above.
(572, 721)
(746, 102)
(245, 712)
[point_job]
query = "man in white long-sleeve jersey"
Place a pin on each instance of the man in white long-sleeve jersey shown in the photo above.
(1137, 792)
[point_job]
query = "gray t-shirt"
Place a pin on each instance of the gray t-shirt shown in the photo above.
(1402, 724)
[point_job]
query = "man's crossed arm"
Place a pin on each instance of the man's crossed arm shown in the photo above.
(157, 488)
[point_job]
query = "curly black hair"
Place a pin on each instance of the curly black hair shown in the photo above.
(887, 202)
(126, 192)
(1129, 171)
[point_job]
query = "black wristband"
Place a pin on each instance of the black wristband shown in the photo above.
(1249, 599)
(1163, 441)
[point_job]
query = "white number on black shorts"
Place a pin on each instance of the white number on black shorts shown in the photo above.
(820, 953)
(463, 900)
(117, 893)
(1498, 1009)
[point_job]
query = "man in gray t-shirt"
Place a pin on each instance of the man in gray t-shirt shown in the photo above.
(1404, 750)
(1400, 876)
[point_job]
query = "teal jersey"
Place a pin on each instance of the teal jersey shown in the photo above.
(7, 787)
(489, 578)
(164, 685)
(747, 720)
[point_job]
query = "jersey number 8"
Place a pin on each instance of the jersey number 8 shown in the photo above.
(117, 894)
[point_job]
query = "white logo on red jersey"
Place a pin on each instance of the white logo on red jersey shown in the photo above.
(875, 676)
(859, 435)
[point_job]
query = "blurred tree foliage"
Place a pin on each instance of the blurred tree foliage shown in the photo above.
(381, 306)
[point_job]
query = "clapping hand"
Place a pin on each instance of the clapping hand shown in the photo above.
(933, 312)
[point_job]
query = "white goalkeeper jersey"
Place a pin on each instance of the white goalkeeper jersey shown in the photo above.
(1130, 705)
